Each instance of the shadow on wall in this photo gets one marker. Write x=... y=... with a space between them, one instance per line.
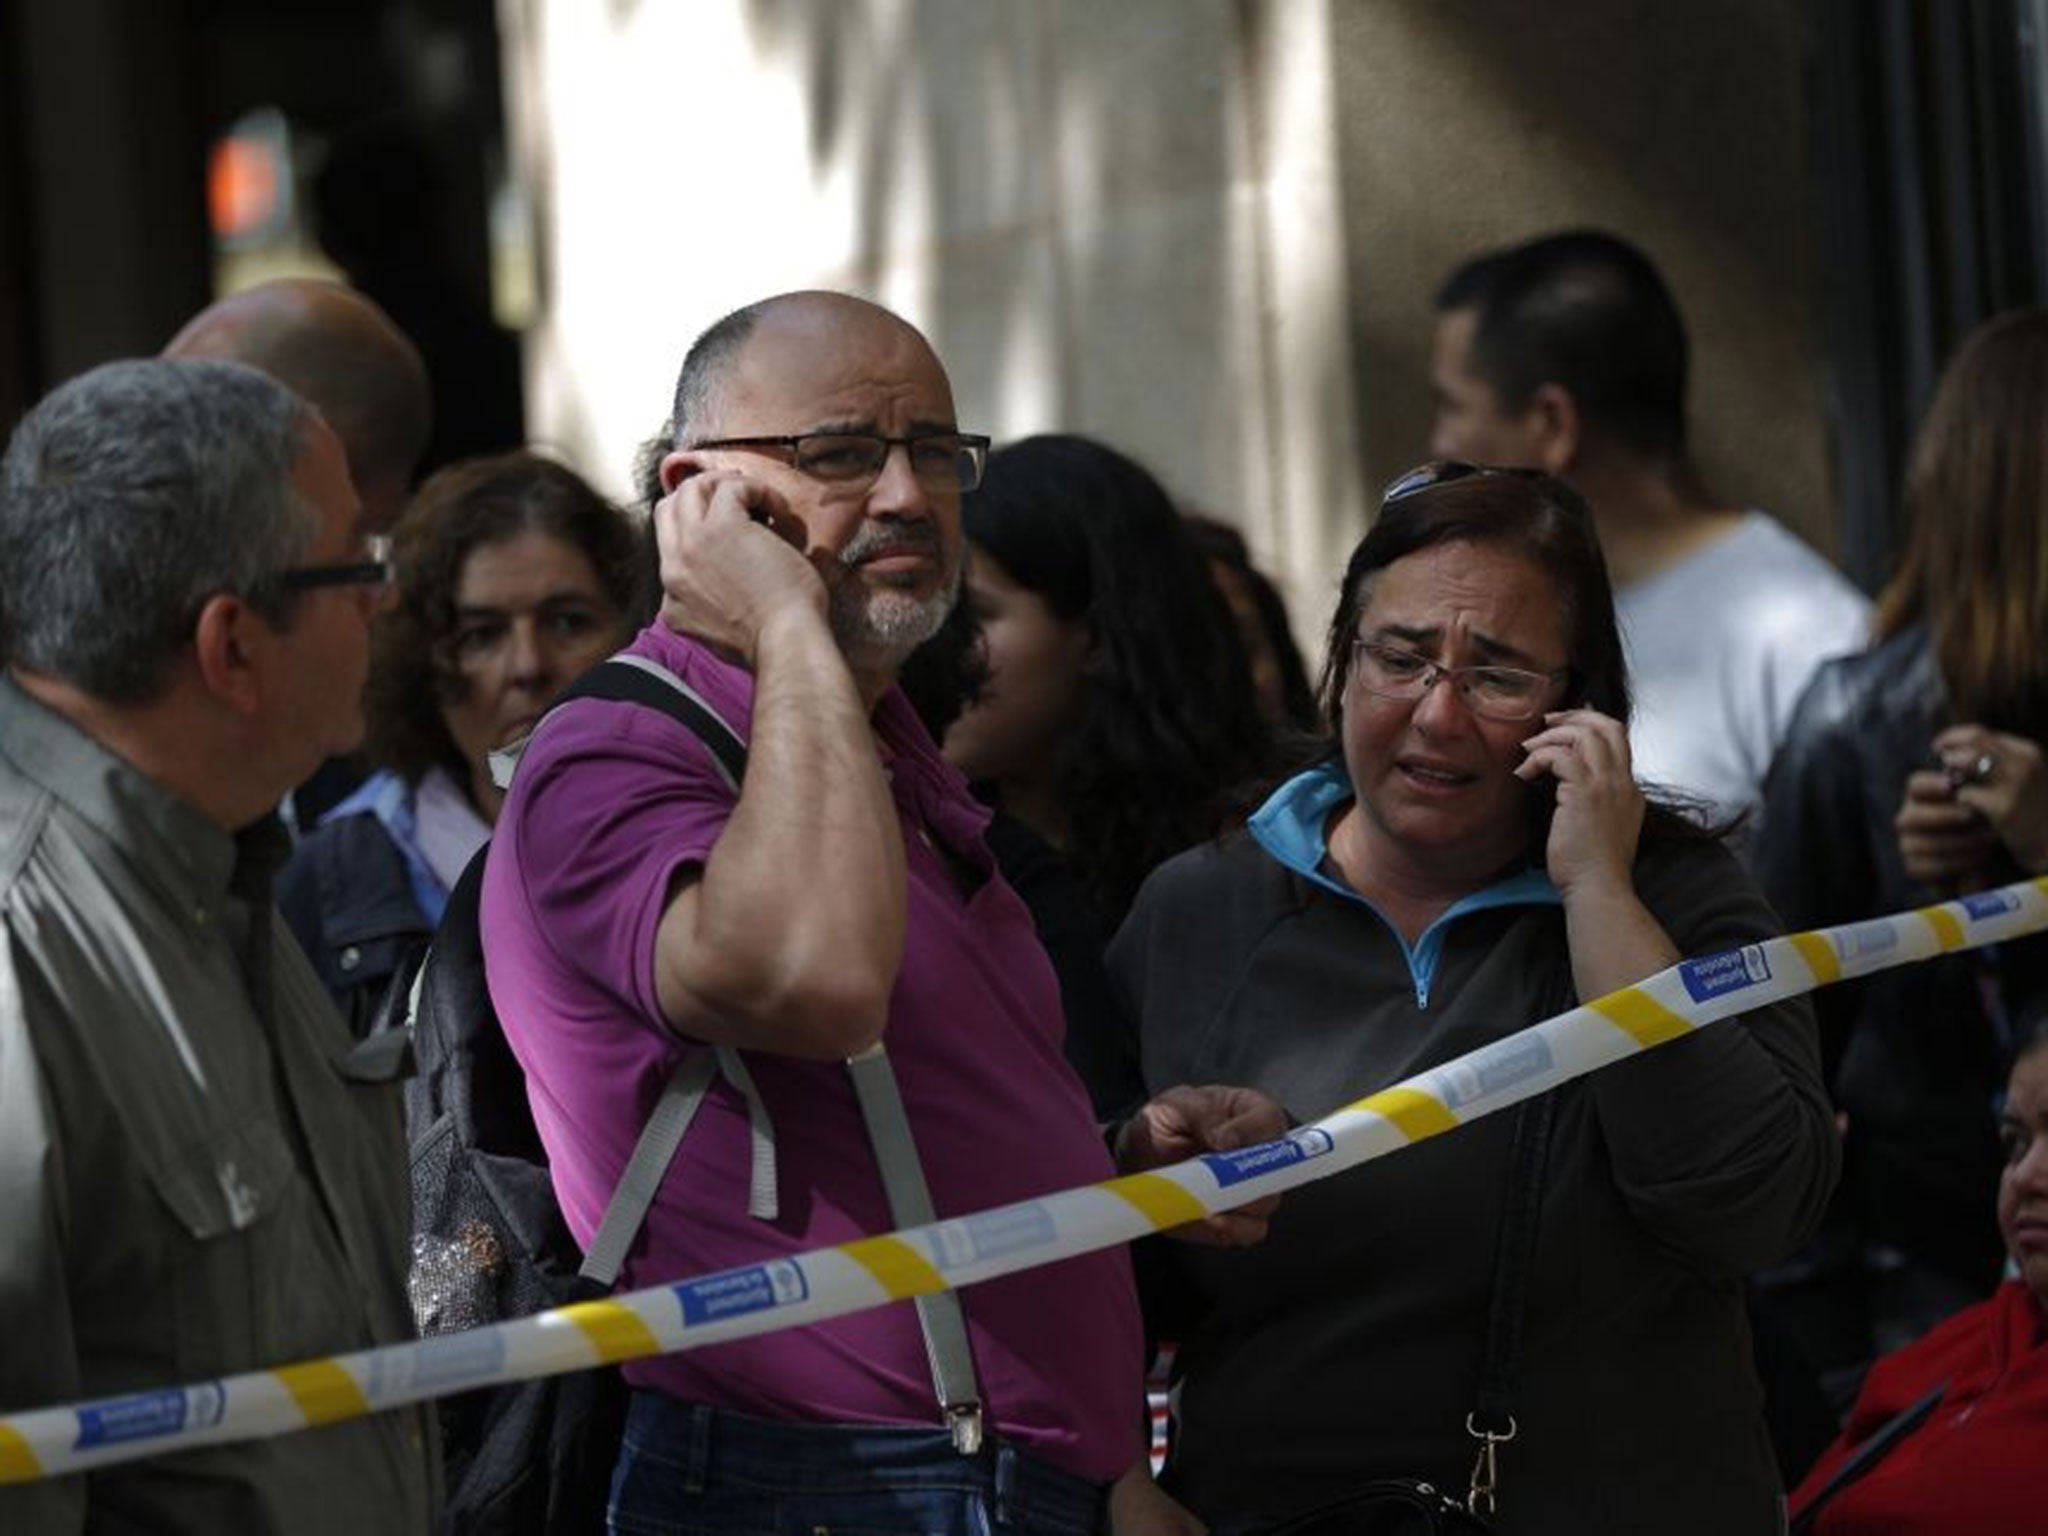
x=1080 y=230
x=1470 y=124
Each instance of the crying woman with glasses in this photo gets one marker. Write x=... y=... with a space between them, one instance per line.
x=1469 y=853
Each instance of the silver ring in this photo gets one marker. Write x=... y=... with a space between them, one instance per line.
x=1982 y=769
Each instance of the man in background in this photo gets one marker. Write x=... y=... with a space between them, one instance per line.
x=1568 y=354
x=341 y=354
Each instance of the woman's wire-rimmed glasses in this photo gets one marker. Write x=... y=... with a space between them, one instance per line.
x=1496 y=693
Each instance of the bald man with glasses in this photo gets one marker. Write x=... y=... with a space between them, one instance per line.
x=637 y=908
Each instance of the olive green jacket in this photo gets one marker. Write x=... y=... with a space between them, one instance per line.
x=188 y=1189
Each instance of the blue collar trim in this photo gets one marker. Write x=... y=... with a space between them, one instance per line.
x=389 y=798
x=1291 y=825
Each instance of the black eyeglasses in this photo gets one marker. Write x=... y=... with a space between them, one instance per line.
x=1445 y=471
x=853 y=461
x=372 y=572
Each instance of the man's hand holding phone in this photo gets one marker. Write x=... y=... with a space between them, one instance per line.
x=733 y=562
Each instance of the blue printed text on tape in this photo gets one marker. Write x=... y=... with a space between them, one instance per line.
x=450 y=1357
x=733 y=1291
x=1501 y=1065
x=141 y=1417
x=1859 y=939
x=1983 y=904
x=1730 y=972
x=1249 y=1162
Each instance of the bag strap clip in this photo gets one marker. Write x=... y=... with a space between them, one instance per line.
x=1485 y=1483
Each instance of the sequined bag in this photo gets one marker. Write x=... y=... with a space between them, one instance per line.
x=489 y=1240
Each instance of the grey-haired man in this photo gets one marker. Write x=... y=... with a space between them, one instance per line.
x=192 y=1183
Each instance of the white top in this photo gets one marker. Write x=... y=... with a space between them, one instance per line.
x=1720 y=646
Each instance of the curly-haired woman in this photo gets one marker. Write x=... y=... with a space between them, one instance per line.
x=513 y=576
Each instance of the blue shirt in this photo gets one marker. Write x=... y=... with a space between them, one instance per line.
x=389 y=798
x=1293 y=825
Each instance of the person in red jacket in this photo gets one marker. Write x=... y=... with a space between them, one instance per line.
x=1978 y=1461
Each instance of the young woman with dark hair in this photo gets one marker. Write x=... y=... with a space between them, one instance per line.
x=1117 y=709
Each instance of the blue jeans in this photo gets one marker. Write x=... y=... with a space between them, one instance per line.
x=688 y=1470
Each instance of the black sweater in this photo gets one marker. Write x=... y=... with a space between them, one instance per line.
x=1347 y=1346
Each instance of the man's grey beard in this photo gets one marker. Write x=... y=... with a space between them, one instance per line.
x=879 y=625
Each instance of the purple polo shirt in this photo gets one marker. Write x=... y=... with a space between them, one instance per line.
x=609 y=803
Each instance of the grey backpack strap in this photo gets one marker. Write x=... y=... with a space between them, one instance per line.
x=636 y=678
x=626 y=1212
x=630 y=679
x=627 y=1209
x=910 y=1204
x=633 y=679
x=761 y=1202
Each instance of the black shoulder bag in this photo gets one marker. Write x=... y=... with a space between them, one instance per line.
x=1411 y=1506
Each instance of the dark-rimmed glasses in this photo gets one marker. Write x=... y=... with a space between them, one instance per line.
x=1496 y=693
x=372 y=571
x=853 y=461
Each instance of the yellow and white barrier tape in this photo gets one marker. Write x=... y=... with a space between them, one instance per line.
x=830 y=1282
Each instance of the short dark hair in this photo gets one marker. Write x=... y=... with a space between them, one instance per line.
x=2031 y=1033
x=129 y=497
x=1590 y=312
x=460 y=509
x=647 y=459
x=704 y=369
